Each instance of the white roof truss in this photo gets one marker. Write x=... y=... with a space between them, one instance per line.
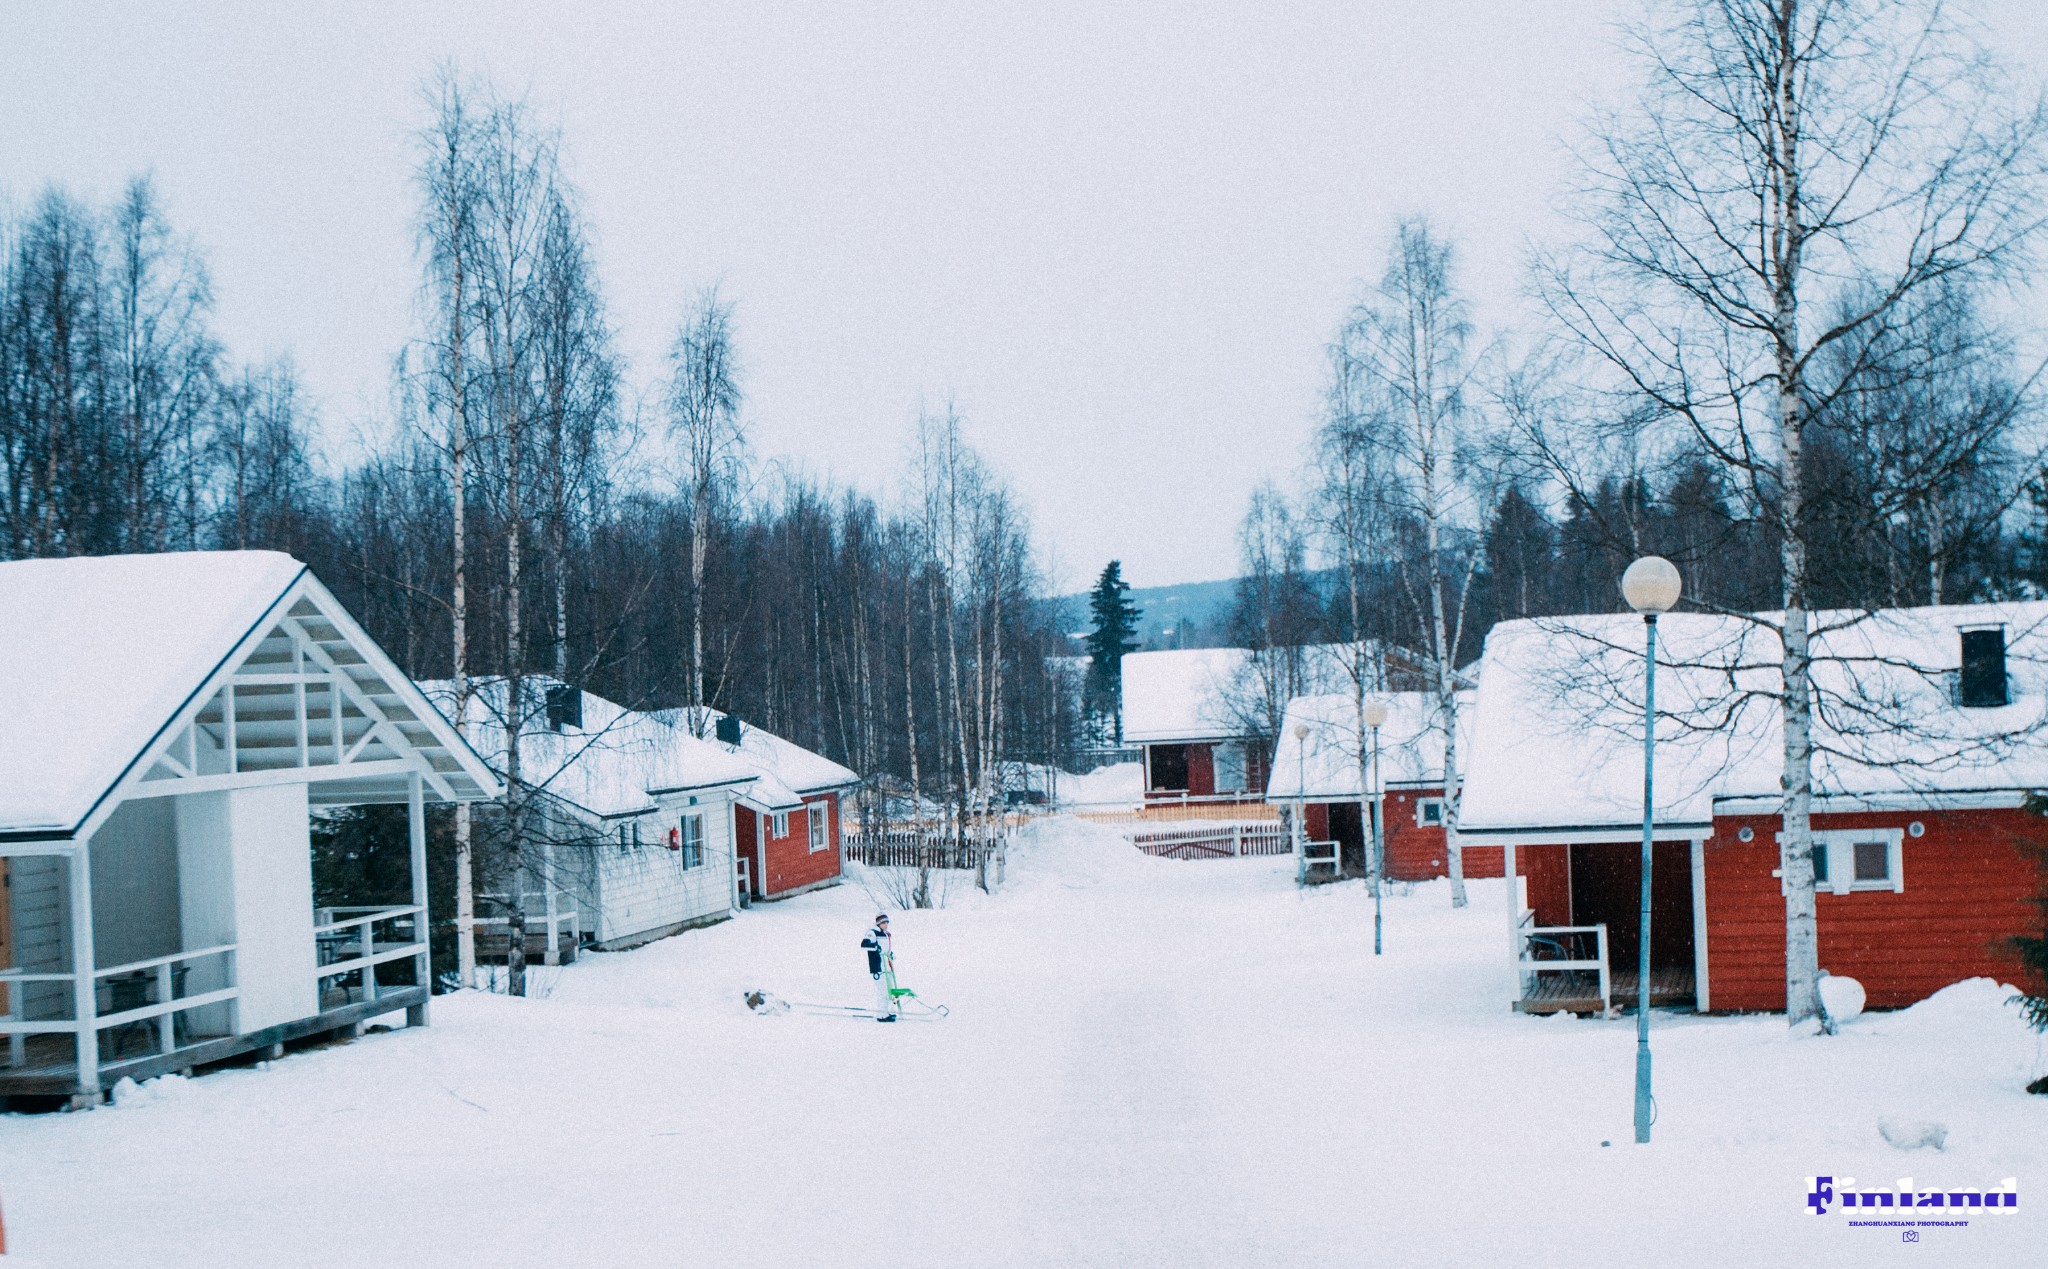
x=305 y=697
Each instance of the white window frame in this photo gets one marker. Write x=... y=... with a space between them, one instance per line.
x=1239 y=764
x=1840 y=845
x=820 y=825
x=778 y=825
x=692 y=846
x=1422 y=806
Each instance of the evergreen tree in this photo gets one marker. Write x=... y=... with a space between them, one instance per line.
x=1115 y=633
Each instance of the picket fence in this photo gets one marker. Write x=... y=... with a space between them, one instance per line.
x=901 y=849
x=1215 y=841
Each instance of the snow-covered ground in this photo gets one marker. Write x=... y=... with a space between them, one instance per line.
x=1148 y=1063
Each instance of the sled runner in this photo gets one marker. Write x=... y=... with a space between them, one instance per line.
x=909 y=1007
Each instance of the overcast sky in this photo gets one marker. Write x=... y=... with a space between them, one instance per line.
x=1118 y=234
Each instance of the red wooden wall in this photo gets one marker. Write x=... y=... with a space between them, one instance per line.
x=790 y=861
x=1970 y=886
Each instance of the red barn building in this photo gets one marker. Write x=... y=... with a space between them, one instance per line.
x=787 y=826
x=1322 y=771
x=1929 y=736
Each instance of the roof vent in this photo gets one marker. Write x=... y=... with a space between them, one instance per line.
x=1983 y=678
x=728 y=730
x=565 y=707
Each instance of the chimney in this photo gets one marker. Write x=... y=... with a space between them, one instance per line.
x=728 y=730
x=1983 y=677
x=565 y=707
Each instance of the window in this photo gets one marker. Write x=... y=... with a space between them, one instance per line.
x=629 y=835
x=778 y=825
x=1429 y=812
x=1230 y=767
x=821 y=825
x=692 y=840
x=1166 y=768
x=1857 y=859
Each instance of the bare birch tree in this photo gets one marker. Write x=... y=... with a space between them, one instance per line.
x=1404 y=349
x=704 y=424
x=448 y=181
x=1795 y=176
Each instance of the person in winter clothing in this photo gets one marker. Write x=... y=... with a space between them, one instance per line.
x=882 y=968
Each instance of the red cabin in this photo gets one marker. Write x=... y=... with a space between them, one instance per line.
x=1327 y=772
x=1927 y=861
x=787 y=824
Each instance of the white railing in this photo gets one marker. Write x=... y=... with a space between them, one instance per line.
x=564 y=928
x=160 y=975
x=357 y=933
x=1561 y=938
x=1324 y=855
x=1214 y=841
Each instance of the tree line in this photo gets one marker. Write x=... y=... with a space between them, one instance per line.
x=527 y=510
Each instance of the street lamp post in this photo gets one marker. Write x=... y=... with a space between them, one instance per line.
x=1375 y=715
x=1300 y=791
x=1651 y=586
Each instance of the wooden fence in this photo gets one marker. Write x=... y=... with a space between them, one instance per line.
x=1177 y=811
x=900 y=849
x=1219 y=841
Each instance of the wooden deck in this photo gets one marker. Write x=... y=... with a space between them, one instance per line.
x=1579 y=992
x=42 y=1076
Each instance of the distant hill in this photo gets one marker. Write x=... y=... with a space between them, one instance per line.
x=1201 y=605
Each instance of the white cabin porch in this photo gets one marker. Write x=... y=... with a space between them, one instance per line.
x=171 y=923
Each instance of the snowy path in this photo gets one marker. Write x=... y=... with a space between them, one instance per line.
x=1148 y=1063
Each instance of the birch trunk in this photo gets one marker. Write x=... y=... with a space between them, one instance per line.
x=1787 y=247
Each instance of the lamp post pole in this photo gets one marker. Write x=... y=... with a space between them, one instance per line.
x=1651 y=586
x=1300 y=811
x=1644 y=1102
x=1374 y=713
x=1379 y=850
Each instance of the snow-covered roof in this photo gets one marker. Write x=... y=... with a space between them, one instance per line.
x=1557 y=735
x=96 y=654
x=1186 y=693
x=99 y=655
x=1325 y=765
x=615 y=763
x=786 y=770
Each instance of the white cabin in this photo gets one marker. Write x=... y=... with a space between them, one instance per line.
x=625 y=822
x=172 y=723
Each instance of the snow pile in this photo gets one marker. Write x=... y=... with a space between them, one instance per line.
x=1120 y=784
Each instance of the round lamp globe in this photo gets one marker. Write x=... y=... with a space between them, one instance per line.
x=1651 y=585
x=1375 y=713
